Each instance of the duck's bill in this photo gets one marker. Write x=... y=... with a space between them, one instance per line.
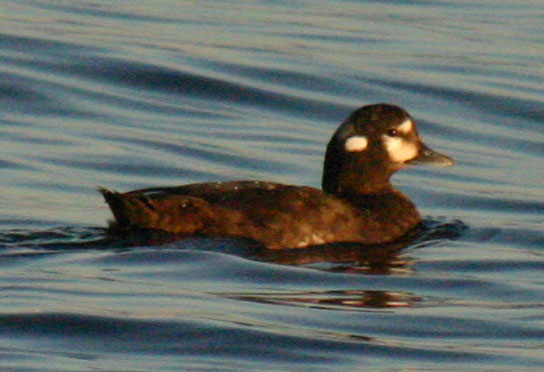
x=431 y=157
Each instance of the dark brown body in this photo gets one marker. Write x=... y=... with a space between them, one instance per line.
x=357 y=204
x=279 y=216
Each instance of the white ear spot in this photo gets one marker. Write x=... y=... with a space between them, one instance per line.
x=356 y=144
x=399 y=149
x=406 y=126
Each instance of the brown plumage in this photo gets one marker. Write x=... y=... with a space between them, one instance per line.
x=358 y=203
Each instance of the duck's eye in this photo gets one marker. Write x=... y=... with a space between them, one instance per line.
x=392 y=133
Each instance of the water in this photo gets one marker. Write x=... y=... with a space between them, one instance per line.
x=131 y=94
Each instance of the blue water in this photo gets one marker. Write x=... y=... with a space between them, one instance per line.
x=131 y=94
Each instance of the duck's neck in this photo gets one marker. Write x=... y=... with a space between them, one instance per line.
x=344 y=173
x=353 y=179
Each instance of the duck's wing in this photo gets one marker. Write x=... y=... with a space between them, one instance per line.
x=188 y=209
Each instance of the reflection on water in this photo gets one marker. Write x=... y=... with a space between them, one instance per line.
x=380 y=259
x=331 y=300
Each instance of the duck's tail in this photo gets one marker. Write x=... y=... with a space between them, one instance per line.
x=179 y=214
x=117 y=205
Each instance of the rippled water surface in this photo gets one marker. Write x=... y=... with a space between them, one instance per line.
x=129 y=94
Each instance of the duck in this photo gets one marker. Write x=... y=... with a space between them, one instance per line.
x=357 y=202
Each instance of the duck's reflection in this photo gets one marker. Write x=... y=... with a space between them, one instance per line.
x=332 y=299
x=383 y=259
x=345 y=257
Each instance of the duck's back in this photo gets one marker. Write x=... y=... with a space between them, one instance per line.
x=279 y=216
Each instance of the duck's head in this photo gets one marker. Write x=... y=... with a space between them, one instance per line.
x=374 y=142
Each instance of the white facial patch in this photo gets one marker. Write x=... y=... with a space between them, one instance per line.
x=399 y=149
x=406 y=126
x=356 y=144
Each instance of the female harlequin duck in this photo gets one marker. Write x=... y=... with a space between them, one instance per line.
x=357 y=203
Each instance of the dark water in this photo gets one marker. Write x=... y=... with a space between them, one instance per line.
x=129 y=94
